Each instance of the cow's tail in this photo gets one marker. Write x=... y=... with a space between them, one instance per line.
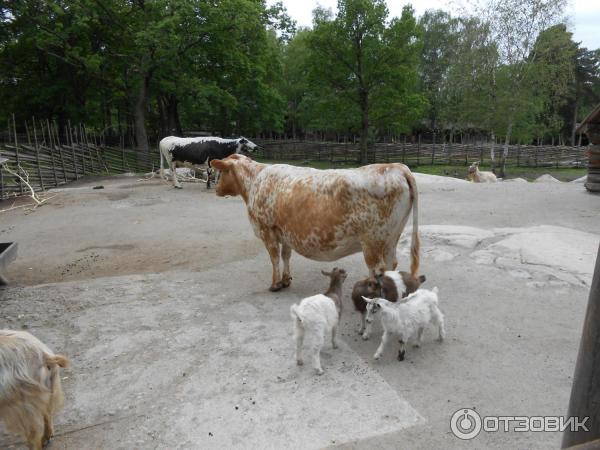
x=415 y=245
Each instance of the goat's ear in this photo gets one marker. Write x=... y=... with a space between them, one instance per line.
x=220 y=164
x=327 y=274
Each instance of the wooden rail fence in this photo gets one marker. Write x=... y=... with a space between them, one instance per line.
x=416 y=154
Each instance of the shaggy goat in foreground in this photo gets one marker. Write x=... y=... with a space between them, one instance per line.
x=390 y=285
x=30 y=388
x=407 y=319
x=319 y=316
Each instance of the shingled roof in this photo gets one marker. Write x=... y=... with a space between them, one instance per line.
x=593 y=117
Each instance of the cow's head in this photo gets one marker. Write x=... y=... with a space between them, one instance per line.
x=245 y=146
x=231 y=180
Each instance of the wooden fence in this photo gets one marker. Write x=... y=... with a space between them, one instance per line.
x=416 y=154
x=48 y=162
x=51 y=159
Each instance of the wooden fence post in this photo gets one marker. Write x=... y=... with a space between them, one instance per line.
x=60 y=151
x=16 y=150
x=51 y=148
x=122 y=143
x=585 y=393
x=37 y=154
x=73 y=152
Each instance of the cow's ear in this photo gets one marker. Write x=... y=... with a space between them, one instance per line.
x=220 y=164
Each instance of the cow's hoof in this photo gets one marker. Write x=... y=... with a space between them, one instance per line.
x=286 y=282
x=401 y=355
x=299 y=362
x=276 y=287
x=319 y=371
x=365 y=336
x=178 y=187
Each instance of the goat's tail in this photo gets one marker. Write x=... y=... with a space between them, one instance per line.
x=294 y=313
x=435 y=290
x=57 y=360
x=415 y=245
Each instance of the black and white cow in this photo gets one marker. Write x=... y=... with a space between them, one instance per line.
x=198 y=152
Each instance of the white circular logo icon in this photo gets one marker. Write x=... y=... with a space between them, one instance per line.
x=465 y=423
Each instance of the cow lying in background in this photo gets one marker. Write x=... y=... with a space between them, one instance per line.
x=325 y=214
x=477 y=176
x=198 y=152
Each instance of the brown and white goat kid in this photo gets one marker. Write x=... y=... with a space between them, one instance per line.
x=319 y=316
x=30 y=387
x=477 y=176
x=390 y=285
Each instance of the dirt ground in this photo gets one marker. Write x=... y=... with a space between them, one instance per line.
x=159 y=297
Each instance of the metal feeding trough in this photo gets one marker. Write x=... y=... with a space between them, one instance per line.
x=8 y=253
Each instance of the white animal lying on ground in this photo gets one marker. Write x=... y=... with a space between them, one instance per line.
x=477 y=176
x=30 y=388
x=407 y=319
x=318 y=316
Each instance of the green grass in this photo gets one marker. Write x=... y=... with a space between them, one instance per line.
x=529 y=173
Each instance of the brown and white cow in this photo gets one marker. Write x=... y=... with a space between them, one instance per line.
x=324 y=214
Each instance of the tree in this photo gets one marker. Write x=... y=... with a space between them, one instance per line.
x=585 y=88
x=516 y=25
x=440 y=41
x=364 y=61
x=157 y=66
x=552 y=72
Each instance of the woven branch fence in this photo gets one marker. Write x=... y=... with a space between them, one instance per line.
x=50 y=161
x=416 y=154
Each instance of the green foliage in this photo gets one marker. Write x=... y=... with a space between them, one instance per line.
x=358 y=71
x=156 y=67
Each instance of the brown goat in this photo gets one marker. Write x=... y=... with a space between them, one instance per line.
x=385 y=285
x=30 y=387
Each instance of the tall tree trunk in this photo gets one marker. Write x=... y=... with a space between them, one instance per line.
x=576 y=107
x=493 y=152
x=505 y=150
x=364 y=128
x=173 y=121
x=139 y=118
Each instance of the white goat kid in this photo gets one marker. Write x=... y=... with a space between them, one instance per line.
x=406 y=319
x=319 y=316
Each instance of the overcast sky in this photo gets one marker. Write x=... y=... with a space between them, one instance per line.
x=585 y=14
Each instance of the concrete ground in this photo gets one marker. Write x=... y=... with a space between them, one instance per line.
x=159 y=297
